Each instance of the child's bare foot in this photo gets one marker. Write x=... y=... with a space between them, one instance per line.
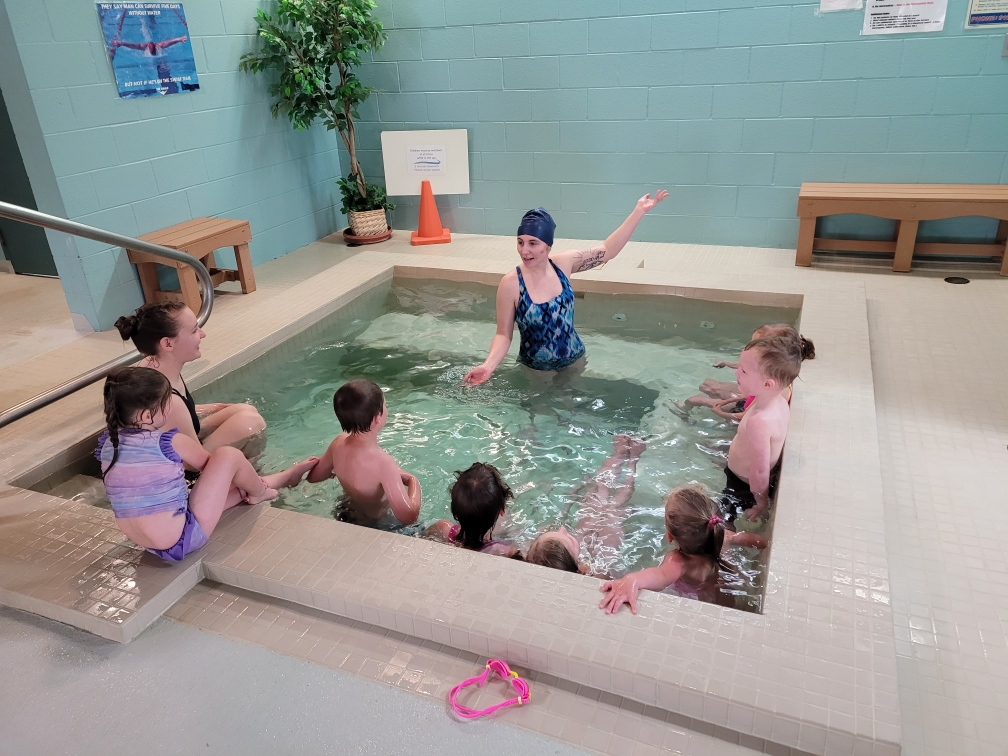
x=292 y=475
x=680 y=409
x=749 y=540
x=636 y=447
x=621 y=445
x=268 y=494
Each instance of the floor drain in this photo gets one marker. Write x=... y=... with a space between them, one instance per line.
x=956 y=280
x=619 y=316
x=706 y=324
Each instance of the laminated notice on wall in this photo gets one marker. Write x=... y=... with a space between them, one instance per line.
x=148 y=44
x=426 y=158
x=829 y=6
x=987 y=13
x=903 y=16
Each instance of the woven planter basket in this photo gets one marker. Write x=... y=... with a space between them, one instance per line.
x=368 y=222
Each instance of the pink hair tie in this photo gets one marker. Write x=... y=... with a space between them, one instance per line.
x=502 y=669
x=715 y=520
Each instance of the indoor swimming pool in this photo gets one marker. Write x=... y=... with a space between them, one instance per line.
x=417 y=339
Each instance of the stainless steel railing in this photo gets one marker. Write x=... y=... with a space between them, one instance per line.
x=73 y=228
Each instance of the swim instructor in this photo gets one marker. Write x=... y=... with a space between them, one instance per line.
x=537 y=294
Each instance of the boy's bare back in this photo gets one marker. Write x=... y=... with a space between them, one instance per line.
x=370 y=477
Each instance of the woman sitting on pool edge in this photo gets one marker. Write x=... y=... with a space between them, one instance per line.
x=537 y=294
x=167 y=334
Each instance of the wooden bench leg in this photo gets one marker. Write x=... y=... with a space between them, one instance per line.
x=806 y=237
x=243 y=259
x=1002 y=236
x=190 y=288
x=149 y=281
x=906 y=238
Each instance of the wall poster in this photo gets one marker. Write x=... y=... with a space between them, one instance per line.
x=904 y=16
x=987 y=13
x=148 y=44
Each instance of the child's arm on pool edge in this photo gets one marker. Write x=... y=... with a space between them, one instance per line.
x=625 y=590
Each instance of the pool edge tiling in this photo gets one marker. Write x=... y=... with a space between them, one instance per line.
x=815 y=672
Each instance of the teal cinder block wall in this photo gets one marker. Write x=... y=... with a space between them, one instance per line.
x=134 y=166
x=582 y=105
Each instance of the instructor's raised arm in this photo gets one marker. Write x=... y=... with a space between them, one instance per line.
x=580 y=260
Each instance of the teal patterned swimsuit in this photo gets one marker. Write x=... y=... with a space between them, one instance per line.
x=548 y=338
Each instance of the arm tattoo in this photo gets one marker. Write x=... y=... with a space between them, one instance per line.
x=588 y=259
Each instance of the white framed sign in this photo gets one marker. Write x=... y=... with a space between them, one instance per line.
x=438 y=156
x=983 y=14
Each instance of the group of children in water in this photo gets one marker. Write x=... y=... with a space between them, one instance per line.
x=145 y=462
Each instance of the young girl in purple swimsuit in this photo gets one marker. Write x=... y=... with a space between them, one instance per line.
x=479 y=498
x=142 y=468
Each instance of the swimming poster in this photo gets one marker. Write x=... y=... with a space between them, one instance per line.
x=148 y=45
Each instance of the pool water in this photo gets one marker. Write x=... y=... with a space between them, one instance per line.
x=417 y=339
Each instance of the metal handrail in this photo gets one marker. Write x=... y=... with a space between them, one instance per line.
x=35 y=218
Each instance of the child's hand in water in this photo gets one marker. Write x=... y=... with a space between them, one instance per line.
x=622 y=591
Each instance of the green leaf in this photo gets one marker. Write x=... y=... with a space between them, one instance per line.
x=312 y=47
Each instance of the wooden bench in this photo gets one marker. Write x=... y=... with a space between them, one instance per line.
x=908 y=205
x=199 y=238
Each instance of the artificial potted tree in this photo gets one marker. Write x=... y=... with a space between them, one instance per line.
x=313 y=47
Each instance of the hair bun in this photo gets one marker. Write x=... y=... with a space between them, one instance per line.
x=807 y=348
x=127 y=326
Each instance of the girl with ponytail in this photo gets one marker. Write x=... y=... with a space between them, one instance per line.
x=168 y=336
x=696 y=527
x=142 y=468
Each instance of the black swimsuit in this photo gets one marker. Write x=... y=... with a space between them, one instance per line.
x=190 y=475
x=190 y=404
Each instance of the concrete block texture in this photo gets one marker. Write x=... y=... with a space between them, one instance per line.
x=707 y=98
x=704 y=97
x=137 y=165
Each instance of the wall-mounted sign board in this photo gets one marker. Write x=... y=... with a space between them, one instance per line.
x=148 y=45
x=987 y=13
x=438 y=156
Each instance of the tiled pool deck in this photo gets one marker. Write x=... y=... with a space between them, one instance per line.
x=820 y=671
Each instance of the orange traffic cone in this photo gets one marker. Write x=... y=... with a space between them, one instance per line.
x=429 y=229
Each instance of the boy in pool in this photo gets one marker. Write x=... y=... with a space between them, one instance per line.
x=766 y=366
x=371 y=478
x=723 y=397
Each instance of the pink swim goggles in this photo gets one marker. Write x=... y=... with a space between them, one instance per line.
x=502 y=669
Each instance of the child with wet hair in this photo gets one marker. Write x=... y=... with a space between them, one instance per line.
x=723 y=398
x=370 y=476
x=766 y=367
x=594 y=545
x=143 y=470
x=695 y=526
x=479 y=498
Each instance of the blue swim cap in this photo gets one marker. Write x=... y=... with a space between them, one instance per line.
x=539 y=224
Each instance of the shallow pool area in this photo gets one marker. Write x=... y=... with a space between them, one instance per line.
x=791 y=676
x=418 y=338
